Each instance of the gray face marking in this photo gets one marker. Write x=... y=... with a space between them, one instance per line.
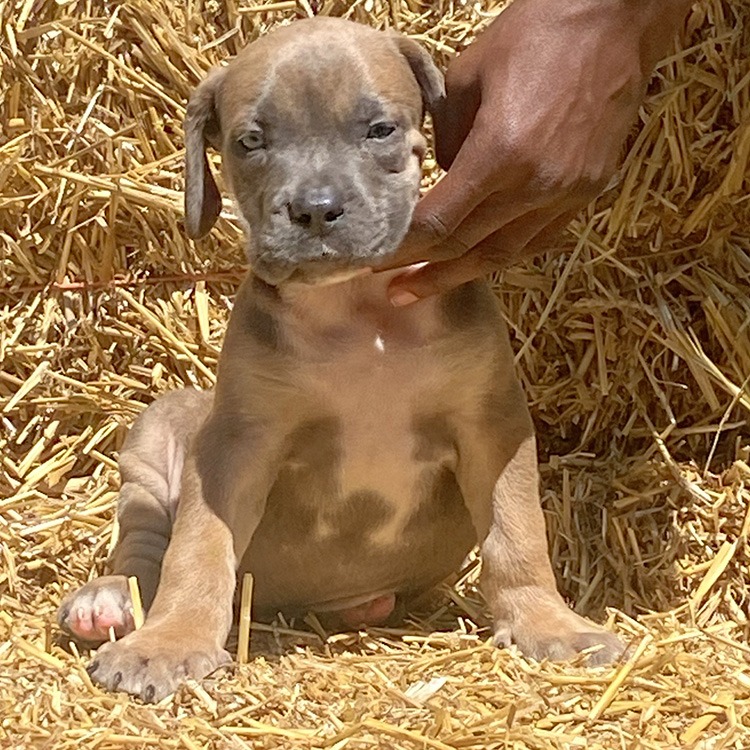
x=468 y=306
x=304 y=132
x=434 y=438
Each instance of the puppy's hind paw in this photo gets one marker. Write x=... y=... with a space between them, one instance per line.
x=559 y=634
x=90 y=612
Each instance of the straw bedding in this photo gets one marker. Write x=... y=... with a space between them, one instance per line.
x=633 y=345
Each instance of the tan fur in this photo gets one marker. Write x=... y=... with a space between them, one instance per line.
x=352 y=452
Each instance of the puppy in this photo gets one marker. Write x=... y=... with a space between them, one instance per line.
x=352 y=453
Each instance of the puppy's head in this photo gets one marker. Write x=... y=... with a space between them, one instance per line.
x=318 y=126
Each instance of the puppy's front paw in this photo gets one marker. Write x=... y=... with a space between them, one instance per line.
x=559 y=634
x=92 y=610
x=151 y=665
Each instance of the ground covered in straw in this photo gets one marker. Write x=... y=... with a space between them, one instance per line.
x=633 y=344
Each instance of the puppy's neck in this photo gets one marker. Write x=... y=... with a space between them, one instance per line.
x=351 y=310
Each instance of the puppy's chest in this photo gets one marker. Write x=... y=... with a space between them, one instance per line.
x=380 y=442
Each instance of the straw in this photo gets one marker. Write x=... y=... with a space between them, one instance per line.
x=243 y=641
x=135 y=598
x=633 y=347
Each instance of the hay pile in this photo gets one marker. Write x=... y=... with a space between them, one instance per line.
x=634 y=347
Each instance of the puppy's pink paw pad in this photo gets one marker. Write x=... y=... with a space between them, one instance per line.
x=101 y=604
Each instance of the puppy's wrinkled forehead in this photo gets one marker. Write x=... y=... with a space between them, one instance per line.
x=318 y=78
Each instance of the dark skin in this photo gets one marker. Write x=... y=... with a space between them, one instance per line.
x=531 y=130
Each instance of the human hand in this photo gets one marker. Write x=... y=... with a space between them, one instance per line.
x=531 y=130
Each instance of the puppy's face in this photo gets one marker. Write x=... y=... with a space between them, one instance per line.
x=318 y=125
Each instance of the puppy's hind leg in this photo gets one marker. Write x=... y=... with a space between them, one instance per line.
x=151 y=464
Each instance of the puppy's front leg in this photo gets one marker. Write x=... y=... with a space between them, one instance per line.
x=498 y=477
x=224 y=487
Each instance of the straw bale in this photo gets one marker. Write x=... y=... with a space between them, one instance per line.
x=633 y=344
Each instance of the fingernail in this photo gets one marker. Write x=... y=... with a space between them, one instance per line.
x=402 y=298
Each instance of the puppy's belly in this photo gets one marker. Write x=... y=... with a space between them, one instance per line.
x=321 y=548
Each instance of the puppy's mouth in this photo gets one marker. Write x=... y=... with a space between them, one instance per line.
x=312 y=274
x=337 y=277
x=321 y=266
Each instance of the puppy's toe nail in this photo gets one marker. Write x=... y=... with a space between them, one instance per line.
x=63 y=614
x=603 y=648
x=502 y=638
x=116 y=680
x=149 y=693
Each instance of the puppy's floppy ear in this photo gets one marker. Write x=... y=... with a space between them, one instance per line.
x=428 y=75
x=202 y=127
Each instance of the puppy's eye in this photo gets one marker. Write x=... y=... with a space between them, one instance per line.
x=381 y=130
x=252 y=141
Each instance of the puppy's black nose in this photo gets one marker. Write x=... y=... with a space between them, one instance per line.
x=317 y=208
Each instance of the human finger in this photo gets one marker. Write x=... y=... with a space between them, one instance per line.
x=434 y=278
x=495 y=252
x=488 y=217
x=464 y=186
